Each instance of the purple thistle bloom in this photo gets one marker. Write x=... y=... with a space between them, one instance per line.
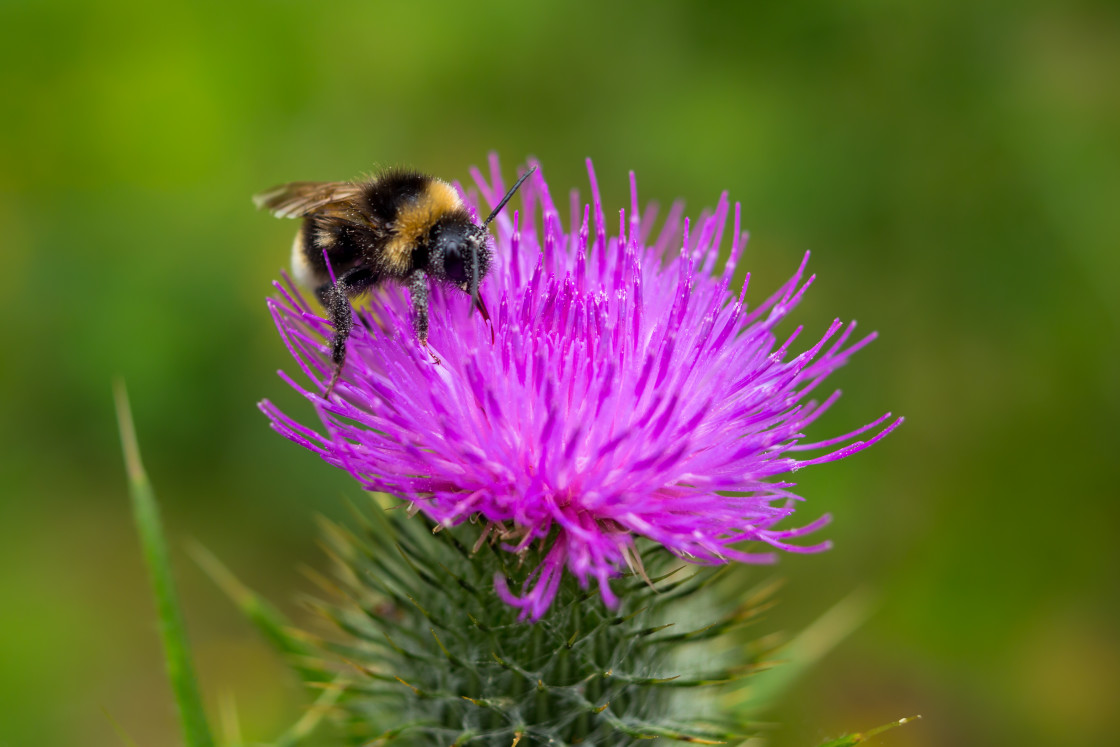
x=630 y=392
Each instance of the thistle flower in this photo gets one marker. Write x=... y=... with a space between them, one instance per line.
x=630 y=392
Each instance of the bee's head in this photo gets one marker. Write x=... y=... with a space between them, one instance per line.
x=458 y=250
x=458 y=254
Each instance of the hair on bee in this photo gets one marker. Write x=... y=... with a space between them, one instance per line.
x=400 y=226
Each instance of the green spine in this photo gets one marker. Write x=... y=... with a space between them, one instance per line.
x=431 y=656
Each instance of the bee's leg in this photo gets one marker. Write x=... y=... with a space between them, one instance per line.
x=336 y=298
x=418 y=289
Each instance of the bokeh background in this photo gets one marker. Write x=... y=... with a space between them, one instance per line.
x=953 y=165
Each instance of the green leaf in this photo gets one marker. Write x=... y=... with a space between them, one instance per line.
x=196 y=731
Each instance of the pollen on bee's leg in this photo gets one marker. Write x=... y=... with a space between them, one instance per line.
x=418 y=290
x=341 y=317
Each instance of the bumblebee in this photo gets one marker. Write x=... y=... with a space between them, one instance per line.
x=401 y=225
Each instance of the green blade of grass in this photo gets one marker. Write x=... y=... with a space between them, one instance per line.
x=314 y=716
x=196 y=731
x=765 y=689
x=269 y=621
x=126 y=740
x=850 y=740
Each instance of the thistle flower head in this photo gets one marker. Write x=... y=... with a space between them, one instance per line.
x=630 y=392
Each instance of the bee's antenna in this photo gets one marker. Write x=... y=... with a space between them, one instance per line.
x=474 y=247
x=509 y=194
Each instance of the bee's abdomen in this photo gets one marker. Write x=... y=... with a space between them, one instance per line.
x=345 y=244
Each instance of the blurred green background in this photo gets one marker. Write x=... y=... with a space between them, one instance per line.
x=951 y=165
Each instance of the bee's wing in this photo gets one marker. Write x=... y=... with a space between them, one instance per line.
x=296 y=199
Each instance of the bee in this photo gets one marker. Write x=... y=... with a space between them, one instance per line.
x=400 y=226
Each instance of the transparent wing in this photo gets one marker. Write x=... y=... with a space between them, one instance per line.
x=297 y=199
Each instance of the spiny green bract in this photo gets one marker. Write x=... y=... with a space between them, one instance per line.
x=431 y=656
